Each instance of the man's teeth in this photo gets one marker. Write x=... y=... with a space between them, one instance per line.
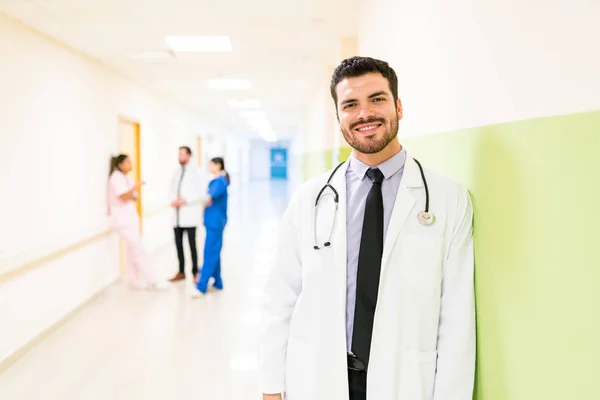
x=367 y=128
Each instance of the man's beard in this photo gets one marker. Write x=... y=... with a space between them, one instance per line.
x=371 y=145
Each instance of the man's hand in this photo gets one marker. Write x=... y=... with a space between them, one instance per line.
x=272 y=397
x=178 y=203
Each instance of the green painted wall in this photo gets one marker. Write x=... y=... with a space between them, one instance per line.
x=344 y=153
x=314 y=163
x=535 y=186
x=536 y=191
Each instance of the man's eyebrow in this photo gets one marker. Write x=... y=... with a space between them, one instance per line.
x=381 y=93
x=348 y=101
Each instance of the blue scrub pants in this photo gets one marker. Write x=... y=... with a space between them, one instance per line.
x=212 y=260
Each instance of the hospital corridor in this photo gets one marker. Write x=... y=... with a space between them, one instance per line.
x=309 y=200
x=132 y=345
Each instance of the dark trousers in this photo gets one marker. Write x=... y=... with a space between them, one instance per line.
x=357 y=383
x=191 y=234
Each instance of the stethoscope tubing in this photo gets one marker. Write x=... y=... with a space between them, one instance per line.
x=336 y=198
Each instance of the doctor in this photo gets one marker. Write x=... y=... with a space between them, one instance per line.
x=372 y=298
x=186 y=196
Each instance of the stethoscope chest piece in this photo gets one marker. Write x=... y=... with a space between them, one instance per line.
x=426 y=218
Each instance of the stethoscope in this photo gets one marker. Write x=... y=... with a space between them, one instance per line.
x=425 y=217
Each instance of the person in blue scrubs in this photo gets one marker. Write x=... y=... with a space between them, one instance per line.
x=215 y=219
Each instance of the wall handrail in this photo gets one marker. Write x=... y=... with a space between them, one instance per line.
x=61 y=252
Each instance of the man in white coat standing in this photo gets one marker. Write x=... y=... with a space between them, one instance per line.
x=187 y=189
x=371 y=292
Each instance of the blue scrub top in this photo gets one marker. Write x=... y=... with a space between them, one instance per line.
x=215 y=215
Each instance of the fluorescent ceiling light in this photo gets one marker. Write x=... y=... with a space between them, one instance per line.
x=199 y=43
x=229 y=84
x=251 y=103
x=259 y=123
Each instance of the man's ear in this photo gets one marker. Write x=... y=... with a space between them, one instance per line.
x=399 y=108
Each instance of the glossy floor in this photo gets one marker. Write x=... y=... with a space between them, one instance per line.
x=144 y=345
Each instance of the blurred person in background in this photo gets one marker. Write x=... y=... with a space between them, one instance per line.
x=122 y=195
x=215 y=220
x=186 y=192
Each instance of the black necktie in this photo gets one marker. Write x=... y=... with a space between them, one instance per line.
x=369 y=267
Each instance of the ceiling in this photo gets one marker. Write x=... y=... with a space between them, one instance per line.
x=282 y=46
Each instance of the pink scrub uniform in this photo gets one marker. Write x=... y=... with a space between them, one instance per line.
x=126 y=222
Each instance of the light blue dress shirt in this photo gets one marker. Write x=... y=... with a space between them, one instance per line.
x=357 y=189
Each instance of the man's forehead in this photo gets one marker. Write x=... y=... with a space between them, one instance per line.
x=362 y=85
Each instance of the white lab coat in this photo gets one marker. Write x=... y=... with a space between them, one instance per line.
x=423 y=345
x=193 y=189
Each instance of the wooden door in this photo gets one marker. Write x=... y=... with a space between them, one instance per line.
x=129 y=143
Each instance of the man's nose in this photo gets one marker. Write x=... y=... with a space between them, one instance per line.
x=365 y=112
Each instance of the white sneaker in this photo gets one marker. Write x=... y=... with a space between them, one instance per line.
x=194 y=293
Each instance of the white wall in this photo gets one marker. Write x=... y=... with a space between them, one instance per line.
x=235 y=150
x=470 y=63
x=316 y=129
x=260 y=160
x=237 y=161
x=58 y=127
x=295 y=160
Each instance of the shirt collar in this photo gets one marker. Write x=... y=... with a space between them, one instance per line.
x=388 y=167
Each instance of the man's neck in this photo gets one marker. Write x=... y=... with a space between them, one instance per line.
x=375 y=159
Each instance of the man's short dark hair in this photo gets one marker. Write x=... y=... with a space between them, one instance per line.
x=358 y=66
x=187 y=150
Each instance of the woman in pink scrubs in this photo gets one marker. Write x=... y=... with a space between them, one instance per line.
x=125 y=220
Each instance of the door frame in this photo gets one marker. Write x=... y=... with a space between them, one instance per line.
x=138 y=161
x=138 y=164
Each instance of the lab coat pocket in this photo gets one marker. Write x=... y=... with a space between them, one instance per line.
x=301 y=370
x=422 y=259
x=417 y=375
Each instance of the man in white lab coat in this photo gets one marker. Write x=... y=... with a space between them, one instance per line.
x=187 y=189
x=372 y=297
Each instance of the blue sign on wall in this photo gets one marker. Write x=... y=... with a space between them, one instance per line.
x=278 y=163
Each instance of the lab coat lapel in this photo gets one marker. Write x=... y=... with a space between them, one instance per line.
x=403 y=206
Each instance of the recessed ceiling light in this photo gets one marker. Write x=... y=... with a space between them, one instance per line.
x=251 y=103
x=199 y=43
x=259 y=123
x=229 y=84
